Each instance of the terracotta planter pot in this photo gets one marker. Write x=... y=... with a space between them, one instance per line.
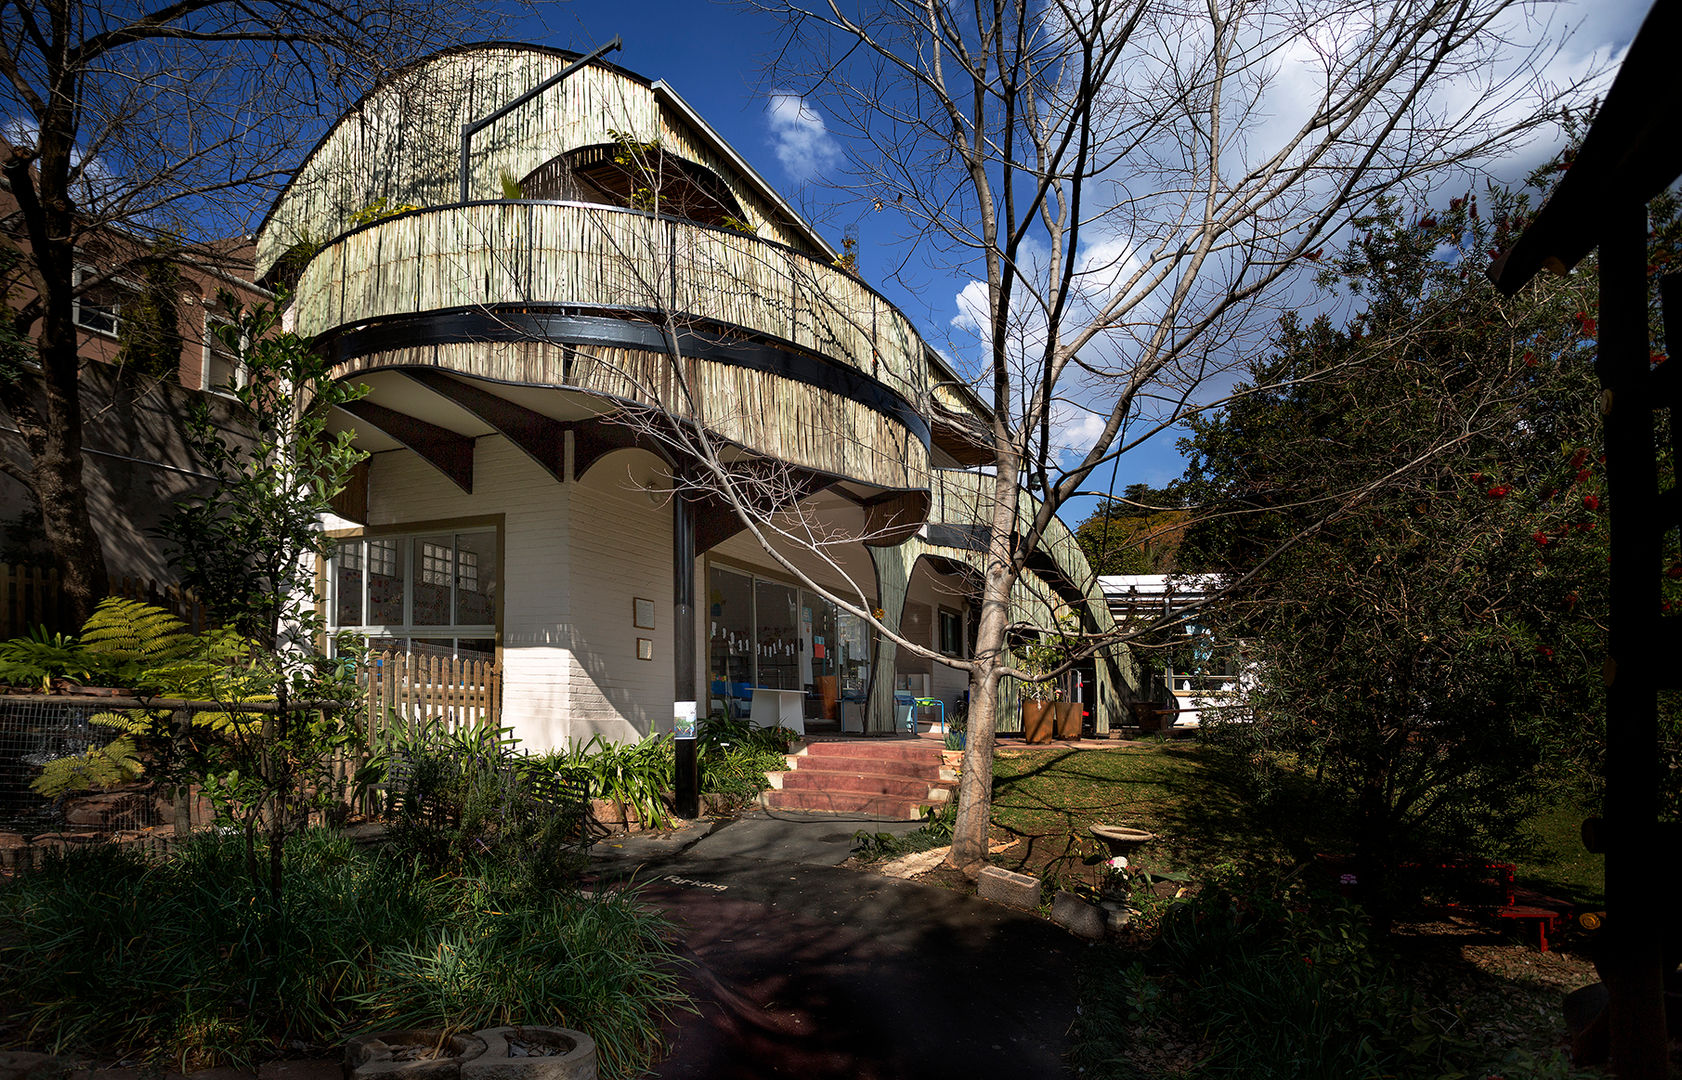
x=1039 y=720
x=1068 y=719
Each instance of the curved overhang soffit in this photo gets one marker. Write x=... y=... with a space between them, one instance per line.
x=772 y=488
x=450 y=452
x=573 y=329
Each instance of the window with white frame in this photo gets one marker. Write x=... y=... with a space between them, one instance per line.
x=223 y=372
x=429 y=593
x=99 y=306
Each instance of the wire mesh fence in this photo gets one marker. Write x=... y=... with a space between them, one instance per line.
x=144 y=814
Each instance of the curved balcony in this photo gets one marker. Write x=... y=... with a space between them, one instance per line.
x=786 y=356
x=960 y=517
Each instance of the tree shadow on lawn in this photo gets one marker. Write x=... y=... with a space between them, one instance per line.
x=1199 y=801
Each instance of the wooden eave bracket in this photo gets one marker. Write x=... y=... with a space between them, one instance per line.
x=539 y=437
x=443 y=449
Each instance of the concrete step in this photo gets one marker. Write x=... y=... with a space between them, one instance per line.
x=874 y=766
x=865 y=783
x=844 y=802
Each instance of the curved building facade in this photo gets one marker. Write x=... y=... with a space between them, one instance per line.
x=547 y=332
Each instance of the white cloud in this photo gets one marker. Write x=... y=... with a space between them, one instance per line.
x=974 y=309
x=802 y=141
x=1075 y=430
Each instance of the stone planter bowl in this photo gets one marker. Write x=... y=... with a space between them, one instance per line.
x=556 y=1054
x=1120 y=839
x=389 y=1055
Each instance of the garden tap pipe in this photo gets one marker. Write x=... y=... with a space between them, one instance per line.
x=472 y=128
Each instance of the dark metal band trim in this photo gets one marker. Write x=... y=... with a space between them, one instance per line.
x=571 y=326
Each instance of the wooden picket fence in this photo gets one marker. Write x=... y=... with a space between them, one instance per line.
x=429 y=695
x=29 y=597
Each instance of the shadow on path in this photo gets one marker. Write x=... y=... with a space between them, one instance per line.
x=804 y=970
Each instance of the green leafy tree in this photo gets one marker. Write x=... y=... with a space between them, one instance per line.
x=1430 y=646
x=150 y=333
x=1138 y=533
x=249 y=548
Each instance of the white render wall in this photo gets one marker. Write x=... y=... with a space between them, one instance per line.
x=574 y=556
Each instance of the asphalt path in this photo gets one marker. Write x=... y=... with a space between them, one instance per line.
x=800 y=968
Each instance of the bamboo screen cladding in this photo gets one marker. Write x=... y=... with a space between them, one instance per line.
x=522 y=254
x=402 y=142
x=959 y=497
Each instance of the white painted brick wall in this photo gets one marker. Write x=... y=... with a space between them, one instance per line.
x=621 y=548
x=575 y=555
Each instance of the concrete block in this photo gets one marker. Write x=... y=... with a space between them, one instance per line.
x=1007 y=887
x=1078 y=917
x=533 y=1053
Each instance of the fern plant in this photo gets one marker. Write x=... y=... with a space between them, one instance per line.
x=40 y=657
x=144 y=647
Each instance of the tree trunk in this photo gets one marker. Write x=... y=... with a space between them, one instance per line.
x=975 y=786
x=53 y=438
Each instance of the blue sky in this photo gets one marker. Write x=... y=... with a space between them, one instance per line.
x=714 y=54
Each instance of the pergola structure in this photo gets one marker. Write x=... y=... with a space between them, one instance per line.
x=1630 y=154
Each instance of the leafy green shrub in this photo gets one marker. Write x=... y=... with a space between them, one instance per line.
x=734 y=756
x=597 y=964
x=637 y=774
x=460 y=808
x=176 y=962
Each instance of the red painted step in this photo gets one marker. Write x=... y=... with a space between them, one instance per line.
x=881 y=749
x=883 y=778
x=802 y=779
x=920 y=770
x=843 y=802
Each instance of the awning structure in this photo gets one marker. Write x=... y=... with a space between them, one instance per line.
x=1630 y=154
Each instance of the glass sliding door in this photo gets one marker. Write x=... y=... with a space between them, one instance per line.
x=730 y=642
x=819 y=657
x=778 y=635
x=852 y=663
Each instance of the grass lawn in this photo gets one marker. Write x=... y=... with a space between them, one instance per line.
x=1205 y=815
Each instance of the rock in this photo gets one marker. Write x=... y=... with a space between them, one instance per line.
x=10 y=841
x=1007 y=887
x=1116 y=915
x=22 y=1065
x=918 y=862
x=1078 y=917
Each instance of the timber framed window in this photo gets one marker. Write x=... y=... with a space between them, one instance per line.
x=951 y=629
x=433 y=593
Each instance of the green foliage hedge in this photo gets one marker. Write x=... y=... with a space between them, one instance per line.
x=181 y=964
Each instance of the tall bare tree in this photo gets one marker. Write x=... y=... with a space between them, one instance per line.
x=137 y=133
x=1127 y=186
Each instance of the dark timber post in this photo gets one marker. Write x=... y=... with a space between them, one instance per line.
x=1632 y=961
x=688 y=773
